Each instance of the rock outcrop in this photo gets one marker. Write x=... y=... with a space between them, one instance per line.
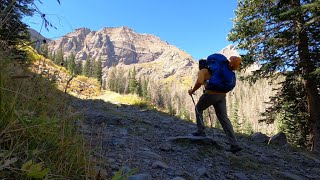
x=118 y=46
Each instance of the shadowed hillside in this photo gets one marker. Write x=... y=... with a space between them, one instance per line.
x=148 y=144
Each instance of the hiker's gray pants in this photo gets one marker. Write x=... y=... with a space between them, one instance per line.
x=219 y=103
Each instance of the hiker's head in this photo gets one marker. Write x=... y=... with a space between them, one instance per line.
x=234 y=62
x=202 y=64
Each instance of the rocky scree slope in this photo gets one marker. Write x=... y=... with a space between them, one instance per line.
x=159 y=147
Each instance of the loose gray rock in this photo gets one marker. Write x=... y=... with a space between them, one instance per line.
x=185 y=174
x=178 y=178
x=263 y=159
x=145 y=149
x=123 y=131
x=111 y=160
x=151 y=155
x=288 y=175
x=259 y=137
x=118 y=142
x=316 y=170
x=142 y=130
x=278 y=139
x=140 y=177
x=195 y=140
x=166 y=147
x=241 y=176
x=160 y=153
x=202 y=172
x=159 y=164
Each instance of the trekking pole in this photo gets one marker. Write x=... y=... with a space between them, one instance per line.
x=197 y=112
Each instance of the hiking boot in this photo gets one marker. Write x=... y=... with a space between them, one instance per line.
x=199 y=133
x=234 y=149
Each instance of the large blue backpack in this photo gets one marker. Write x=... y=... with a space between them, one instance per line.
x=223 y=79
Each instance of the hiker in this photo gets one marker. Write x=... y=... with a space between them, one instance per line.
x=215 y=98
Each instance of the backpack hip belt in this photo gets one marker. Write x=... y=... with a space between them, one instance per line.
x=213 y=92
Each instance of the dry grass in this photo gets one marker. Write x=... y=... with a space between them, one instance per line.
x=128 y=99
x=37 y=128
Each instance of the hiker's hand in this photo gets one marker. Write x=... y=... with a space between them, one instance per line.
x=190 y=92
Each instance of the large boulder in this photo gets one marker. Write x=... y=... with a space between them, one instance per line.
x=259 y=137
x=278 y=139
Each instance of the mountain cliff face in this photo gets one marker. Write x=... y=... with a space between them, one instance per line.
x=122 y=47
x=118 y=46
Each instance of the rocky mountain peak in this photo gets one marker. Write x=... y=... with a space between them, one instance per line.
x=230 y=50
x=80 y=31
x=119 y=46
x=117 y=30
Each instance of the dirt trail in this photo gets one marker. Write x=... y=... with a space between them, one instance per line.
x=130 y=137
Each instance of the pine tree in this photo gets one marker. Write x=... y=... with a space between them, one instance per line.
x=235 y=119
x=139 y=87
x=144 y=89
x=292 y=100
x=71 y=63
x=53 y=57
x=121 y=80
x=112 y=79
x=87 y=67
x=133 y=83
x=50 y=54
x=12 y=30
x=126 y=88
x=97 y=71
x=78 y=68
x=44 y=50
x=283 y=36
x=59 y=60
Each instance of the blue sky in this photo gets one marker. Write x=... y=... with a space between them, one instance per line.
x=198 y=27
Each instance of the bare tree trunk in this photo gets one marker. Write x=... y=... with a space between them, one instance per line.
x=310 y=84
x=314 y=112
x=68 y=83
